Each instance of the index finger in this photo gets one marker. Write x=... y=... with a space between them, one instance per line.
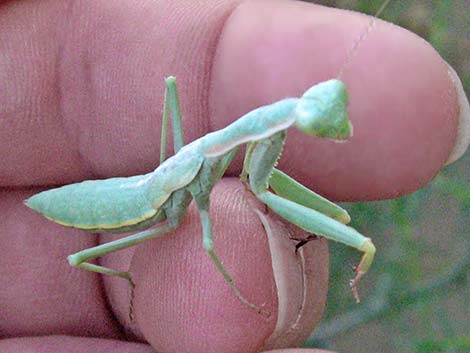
x=90 y=106
x=405 y=102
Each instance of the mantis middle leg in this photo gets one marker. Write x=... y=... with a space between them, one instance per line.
x=202 y=202
x=262 y=161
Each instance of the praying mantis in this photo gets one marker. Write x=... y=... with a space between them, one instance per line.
x=156 y=203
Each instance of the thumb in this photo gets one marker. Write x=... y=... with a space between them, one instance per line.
x=183 y=304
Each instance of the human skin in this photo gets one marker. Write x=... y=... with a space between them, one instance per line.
x=81 y=94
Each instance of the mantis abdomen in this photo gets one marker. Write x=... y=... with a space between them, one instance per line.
x=110 y=204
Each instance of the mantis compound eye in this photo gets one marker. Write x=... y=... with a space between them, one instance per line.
x=322 y=111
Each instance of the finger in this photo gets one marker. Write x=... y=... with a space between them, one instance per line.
x=65 y=300
x=85 y=84
x=44 y=294
x=403 y=103
x=59 y=344
x=179 y=290
x=94 y=114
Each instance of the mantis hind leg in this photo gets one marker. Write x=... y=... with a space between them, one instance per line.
x=81 y=258
x=171 y=102
x=299 y=211
x=203 y=207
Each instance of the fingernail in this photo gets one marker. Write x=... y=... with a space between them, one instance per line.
x=300 y=283
x=463 y=133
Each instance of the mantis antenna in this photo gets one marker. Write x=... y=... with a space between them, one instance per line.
x=353 y=51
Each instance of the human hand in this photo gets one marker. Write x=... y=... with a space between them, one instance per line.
x=81 y=99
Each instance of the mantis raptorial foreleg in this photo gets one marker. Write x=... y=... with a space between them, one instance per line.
x=291 y=189
x=262 y=160
x=246 y=161
x=288 y=188
x=315 y=222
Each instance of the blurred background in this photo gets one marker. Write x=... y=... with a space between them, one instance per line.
x=417 y=296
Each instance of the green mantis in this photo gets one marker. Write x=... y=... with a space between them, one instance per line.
x=156 y=203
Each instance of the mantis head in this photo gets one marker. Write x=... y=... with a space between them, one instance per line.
x=322 y=112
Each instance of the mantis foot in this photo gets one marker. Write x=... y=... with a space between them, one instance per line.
x=131 y=301
x=353 y=284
